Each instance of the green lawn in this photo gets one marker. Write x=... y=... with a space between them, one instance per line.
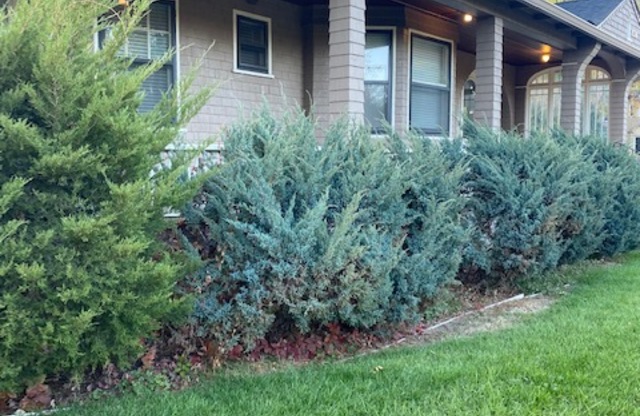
x=581 y=357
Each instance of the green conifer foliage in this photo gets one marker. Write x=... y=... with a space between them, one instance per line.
x=82 y=277
x=530 y=203
x=357 y=231
x=615 y=190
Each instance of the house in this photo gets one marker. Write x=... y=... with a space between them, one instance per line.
x=522 y=65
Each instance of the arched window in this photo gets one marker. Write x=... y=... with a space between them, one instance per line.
x=545 y=92
x=545 y=100
x=595 y=118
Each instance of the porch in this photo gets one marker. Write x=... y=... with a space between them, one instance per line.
x=420 y=64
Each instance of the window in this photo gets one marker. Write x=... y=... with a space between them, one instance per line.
x=545 y=92
x=545 y=100
x=252 y=40
x=595 y=119
x=377 y=78
x=152 y=39
x=430 y=94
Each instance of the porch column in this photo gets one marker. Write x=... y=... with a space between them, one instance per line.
x=573 y=66
x=489 y=57
x=619 y=103
x=346 y=58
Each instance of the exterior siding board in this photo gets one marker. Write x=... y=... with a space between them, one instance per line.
x=623 y=22
x=203 y=22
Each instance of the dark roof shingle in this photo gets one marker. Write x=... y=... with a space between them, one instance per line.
x=593 y=11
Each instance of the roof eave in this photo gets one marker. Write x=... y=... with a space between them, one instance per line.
x=581 y=25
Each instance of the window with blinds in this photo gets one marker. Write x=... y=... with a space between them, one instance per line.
x=430 y=94
x=377 y=79
x=252 y=43
x=152 y=39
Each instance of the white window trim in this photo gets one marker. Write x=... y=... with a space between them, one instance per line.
x=265 y=19
x=394 y=78
x=452 y=78
x=177 y=74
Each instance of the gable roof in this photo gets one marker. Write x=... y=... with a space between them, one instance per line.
x=569 y=19
x=593 y=11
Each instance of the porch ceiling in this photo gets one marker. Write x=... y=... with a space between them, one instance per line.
x=524 y=43
x=527 y=36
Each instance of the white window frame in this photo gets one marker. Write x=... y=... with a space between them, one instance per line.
x=452 y=80
x=177 y=71
x=267 y=21
x=392 y=77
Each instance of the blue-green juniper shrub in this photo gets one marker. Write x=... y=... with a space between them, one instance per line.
x=355 y=231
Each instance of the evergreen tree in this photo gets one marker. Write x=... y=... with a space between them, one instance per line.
x=82 y=276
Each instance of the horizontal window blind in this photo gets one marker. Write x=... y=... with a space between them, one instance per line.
x=430 y=95
x=253 y=44
x=430 y=62
x=159 y=31
x=160 y=17
x=155 y=87
x=152 y=39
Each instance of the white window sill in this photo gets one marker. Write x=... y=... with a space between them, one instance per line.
x=251 y=73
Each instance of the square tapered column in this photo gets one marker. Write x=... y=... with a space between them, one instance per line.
x=346 y=58
x=574 y=65
x=489 y=63
x=619 y=103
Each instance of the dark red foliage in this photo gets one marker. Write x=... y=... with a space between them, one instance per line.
x=332 y=341
x=36 y=398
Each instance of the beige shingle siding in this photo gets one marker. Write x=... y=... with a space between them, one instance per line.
x=202 y=22
x=623 y=22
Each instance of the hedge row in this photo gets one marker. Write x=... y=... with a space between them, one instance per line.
x=357 y=231
x=362 y=231
x=550 y=199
